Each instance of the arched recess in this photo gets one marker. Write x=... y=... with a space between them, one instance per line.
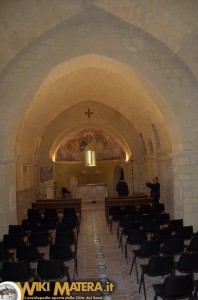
x=162 y=85
x=73 y=165
x=126 y=84
x=49 y=84
x=64 y=136
x=121 y=76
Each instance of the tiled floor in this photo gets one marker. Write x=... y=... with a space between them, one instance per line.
x=99 y=256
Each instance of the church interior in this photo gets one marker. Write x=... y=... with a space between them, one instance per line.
x=116 y=77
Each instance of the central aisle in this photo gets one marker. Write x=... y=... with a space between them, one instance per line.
x=99 y=256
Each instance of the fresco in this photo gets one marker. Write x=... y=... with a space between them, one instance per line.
x=46 y=174
x=107 y=148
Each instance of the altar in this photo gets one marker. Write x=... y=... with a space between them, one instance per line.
x=92 y=192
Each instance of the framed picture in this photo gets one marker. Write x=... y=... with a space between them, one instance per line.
x=46 y=174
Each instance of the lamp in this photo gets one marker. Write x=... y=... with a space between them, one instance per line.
x=90 y=155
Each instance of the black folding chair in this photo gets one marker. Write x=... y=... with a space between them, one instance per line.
x=193 y=246
x=187 y=263
x=184 y=232
x=17 y=271
x=146 y=250
x=157 y=266
x=172 y=247
x=52 y=270
x=175 y=287
x=135 y=237
x=63 y=252
x=29 y=253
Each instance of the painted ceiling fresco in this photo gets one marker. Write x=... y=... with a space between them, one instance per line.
x=107 y=148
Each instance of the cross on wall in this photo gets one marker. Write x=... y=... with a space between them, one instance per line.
x=88 y=113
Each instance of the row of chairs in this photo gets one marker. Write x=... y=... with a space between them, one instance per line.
x=171 y=247
x=148 y=224
x=154 y=209
x=161 y=254
x=22 y=244
x=158 y=227
x=159 y=239
x=151 y=224
x=165 y=265
x=47 y=270
x=31 y=254
x=138 y=213
x=153 y=230
x=49 y=213
x=162 y=262
x=50 y=218
x=160 y=218
x=39 y=236
x=169 y=244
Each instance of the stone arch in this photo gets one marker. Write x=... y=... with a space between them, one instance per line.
x=141 y=61
x=141 y=65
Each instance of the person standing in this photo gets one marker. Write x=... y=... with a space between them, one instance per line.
x=122 y=188
x=155 y=189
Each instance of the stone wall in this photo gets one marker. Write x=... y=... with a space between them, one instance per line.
x=24 y=200
x=185 y=170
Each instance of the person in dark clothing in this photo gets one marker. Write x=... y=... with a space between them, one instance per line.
x=122 y=187
x=155 y=189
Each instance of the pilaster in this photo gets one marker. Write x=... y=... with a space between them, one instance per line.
x=8 y=210
x=185 y=174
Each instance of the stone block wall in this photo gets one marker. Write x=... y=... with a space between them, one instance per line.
x=185 y=171
x=24 y=200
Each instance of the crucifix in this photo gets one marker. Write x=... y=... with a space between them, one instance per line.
x=88 y=113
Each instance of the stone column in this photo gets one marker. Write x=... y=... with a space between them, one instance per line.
x=185 y=174
x=8 y=210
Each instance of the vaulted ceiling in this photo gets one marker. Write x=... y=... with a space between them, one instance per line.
x=130 y=62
